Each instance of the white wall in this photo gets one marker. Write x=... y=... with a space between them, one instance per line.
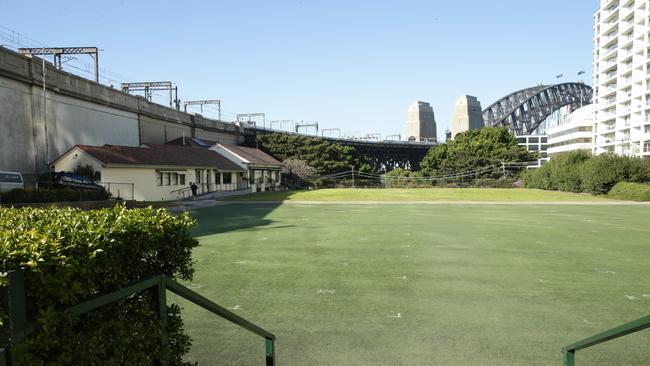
x=76 y=157
x=76 y=122
x=17 y=148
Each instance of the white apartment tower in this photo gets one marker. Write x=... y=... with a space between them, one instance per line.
x=622 y=78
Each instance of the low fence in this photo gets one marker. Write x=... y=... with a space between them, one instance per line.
x=13 y=335
x=206 y=188
x=488 y=177
x=620 y=331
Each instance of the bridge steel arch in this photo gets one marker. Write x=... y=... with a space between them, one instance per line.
x=524 y=111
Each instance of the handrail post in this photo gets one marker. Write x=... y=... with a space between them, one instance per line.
x=17 y=316
x=270 y=351
x=160 y=299
x=569 y=357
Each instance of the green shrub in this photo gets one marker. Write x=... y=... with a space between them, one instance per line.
x=578 y=171
x=539 y=178
x=29 y=195
x=562 y=173
x=70 y=255
x=502 y=182
x=565 y=171
x=402 y=178
x=630 y=191
x=600 y=173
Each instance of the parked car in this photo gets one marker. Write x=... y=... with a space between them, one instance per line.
x=69 y=180
x=10 y=181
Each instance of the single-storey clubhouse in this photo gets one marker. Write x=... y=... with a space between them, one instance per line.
x=160 y=172
x=263 y=170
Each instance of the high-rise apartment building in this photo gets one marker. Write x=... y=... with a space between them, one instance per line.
x=421 y=123
x=622 y=78
x=467 y=115
x=574 y=131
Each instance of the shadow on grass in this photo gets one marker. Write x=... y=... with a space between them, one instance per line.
x=263 y=196
x=231 y=217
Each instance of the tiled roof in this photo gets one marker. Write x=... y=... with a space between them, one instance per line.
x=161 y=155
x=253 y=155
x=192 y=141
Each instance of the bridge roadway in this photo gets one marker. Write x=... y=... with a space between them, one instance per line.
x=382 y=155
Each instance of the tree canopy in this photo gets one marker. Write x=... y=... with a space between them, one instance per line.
x=475 y=149
x=324 y=156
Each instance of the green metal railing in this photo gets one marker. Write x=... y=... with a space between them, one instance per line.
x=19 y=328
x=622 y=330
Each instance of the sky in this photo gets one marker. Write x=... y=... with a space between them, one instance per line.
x=353 y=65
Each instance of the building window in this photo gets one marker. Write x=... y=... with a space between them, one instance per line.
x=159 y=179
x=181 y=179
x=251 y=177
x=198 y=176
x=647 y=129
x=646 y=146
x=167 y=178
x=227 y=178
x=217 y=177
x=175 y=179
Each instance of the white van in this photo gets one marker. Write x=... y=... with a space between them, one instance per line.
x=10 y=181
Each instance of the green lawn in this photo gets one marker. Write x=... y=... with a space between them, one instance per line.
x=422 y=194
x=421 y=284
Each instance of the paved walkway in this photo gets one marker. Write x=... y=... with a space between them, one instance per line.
x=194 y=205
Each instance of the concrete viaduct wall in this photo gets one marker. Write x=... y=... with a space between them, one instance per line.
x=80 y=111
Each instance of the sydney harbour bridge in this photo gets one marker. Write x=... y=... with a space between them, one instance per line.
x=522 y=112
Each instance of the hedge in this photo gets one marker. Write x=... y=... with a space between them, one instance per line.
x=630 y=192
x=601 y=173
x=561 y=173
x=578 y=171
x=29 y=195
x=69 y=255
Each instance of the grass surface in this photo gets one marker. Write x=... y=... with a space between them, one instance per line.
x=421 y=285
x=422 y=194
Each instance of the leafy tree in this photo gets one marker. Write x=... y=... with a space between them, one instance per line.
x=475 y=149
x=324 y=156
x=297 y=172
x=299 y=168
